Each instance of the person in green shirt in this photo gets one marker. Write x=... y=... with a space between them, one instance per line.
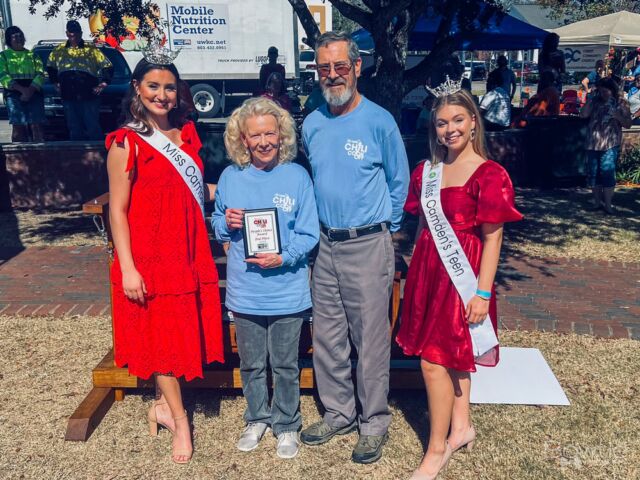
x=22 y=76
x=80 y=71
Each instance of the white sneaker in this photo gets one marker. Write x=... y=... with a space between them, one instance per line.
x=251 y=436
x=288 y=444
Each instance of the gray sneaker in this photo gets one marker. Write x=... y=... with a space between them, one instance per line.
x=369 y=448
x=321 y=432
x=288 y=444
x=251 y=436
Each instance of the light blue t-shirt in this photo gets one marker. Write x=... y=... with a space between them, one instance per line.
x=360 y=166
x=274 y=291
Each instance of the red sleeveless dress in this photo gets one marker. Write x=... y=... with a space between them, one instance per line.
x=433 y=323
x=179 y=327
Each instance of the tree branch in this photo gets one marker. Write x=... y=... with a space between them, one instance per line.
x=307 y=21
x=390 y=9
x=355 y=13
x=372 y=4
x=417 y=75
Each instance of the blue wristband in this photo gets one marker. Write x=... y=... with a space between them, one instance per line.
x=483 y=294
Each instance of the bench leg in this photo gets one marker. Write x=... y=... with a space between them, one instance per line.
x=89 y=414
x=118 y=394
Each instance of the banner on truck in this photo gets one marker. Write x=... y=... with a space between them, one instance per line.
x=131 y=41
x=583 y=58
x=196 y=26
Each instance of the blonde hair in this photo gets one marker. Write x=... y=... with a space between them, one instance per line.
x=236 y=128
x=463 y=99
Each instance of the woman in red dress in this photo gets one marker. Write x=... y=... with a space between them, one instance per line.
x=477 y=198
x=166 y=303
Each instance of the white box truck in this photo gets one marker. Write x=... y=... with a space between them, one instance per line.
x=222 y=43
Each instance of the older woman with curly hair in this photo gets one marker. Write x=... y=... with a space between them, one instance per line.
x=268 y=293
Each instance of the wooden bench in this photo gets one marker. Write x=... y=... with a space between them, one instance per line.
x=110 y=382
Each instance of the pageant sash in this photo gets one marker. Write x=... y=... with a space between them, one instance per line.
x=181 y=161
x=453 y=257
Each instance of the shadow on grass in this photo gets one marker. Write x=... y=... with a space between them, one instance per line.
x=413 y=406
x=562 y=217
x=10 y=243
x=48 y=226
x=555 y=219
x=551 y=217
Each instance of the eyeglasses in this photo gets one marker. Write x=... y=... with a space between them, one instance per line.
x=341 y=69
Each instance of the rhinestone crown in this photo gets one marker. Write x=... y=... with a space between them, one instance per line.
x=159 y=54
x=446 y=88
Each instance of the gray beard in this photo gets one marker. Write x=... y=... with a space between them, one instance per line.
x=338 y=100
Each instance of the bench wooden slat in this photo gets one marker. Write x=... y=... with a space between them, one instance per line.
x=96 y=206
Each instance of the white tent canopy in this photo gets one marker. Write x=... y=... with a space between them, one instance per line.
x=617 y=29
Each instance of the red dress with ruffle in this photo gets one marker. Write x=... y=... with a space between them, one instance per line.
x=433 y=323
x=179 y=327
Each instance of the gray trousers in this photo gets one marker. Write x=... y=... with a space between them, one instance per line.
x=351 y=285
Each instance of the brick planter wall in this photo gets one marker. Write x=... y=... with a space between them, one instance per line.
x=52 y=174
x=66 y=174
x=630 y=139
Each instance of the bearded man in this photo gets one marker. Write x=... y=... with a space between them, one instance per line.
x=361 y=178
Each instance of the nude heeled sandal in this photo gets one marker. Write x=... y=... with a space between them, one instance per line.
x=444 y=463
x=182 y=453
x=153 y=419
x=468 y=442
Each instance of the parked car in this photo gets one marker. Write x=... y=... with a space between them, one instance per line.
x=111 y=97
x=529 y=68
x=479 y=71
x=308 y=63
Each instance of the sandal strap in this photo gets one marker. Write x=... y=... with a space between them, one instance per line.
x=181 y=416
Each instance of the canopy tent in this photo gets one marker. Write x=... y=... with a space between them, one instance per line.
x=503 y=32
x=617 y=29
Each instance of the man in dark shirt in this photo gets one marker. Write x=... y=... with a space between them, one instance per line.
x=589 y=82
x=272 y=67
x=81 y=72
x=503 y=77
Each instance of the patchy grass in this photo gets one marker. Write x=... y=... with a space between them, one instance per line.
x=558 y=223
x=46 y=371
x=30 y=228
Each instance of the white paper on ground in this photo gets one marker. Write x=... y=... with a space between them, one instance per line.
x=521 y=377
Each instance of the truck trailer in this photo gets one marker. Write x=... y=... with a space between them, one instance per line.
x=222 y=43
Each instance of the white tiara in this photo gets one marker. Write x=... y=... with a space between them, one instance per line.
x=158 y=54
x=446 y=88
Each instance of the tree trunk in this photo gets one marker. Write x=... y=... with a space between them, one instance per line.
x=387 y=89
x=391 y=36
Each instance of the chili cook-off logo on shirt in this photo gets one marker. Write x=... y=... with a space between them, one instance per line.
x=355 y=149
x=283 y=202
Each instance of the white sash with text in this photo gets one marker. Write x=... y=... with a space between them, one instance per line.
x=182 y=162
x=453 y=257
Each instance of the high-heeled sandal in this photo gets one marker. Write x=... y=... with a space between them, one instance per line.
x=468 y=442
x=153 y=419
x=444 y=463
x=182 y=453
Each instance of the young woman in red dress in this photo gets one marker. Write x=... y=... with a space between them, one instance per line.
x=166 y=303
x=477 y=197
